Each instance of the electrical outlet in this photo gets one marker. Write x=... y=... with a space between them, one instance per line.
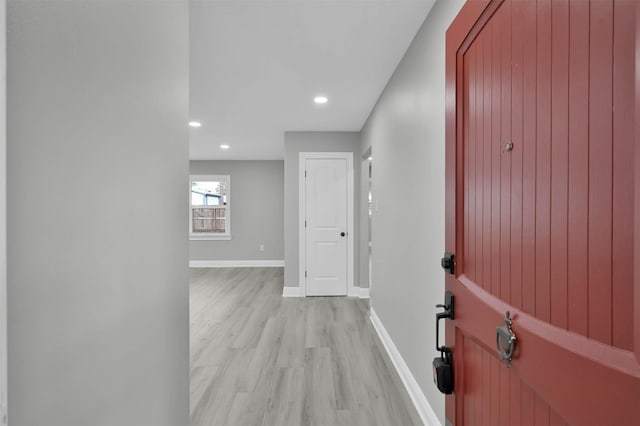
x=261 y=247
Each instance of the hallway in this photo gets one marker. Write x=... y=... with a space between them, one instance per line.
x=260 y=359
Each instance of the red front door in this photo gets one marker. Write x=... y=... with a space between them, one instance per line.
x=543 y=211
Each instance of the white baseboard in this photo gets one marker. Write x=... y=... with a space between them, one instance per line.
x=425 y=411
x=291 y=292
x=362 y=293
x=359 y=292
x=235 y=263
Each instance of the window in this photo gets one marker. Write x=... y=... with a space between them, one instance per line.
x=209 y=217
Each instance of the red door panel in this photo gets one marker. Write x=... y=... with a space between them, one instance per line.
x=549 y=229
x=560 y=165
x=578 y=167
x=495 y=396
x=623 y=181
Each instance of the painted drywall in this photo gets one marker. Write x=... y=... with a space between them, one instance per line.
x=406 y=133
x=294 y=144
x=98 y=251
x=257 y=211
x=3 y=208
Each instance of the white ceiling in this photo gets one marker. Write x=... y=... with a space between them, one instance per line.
x=257 y=65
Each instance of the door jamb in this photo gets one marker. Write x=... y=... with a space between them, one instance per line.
x=302 y=240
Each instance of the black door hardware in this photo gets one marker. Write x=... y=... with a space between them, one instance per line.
x=443 y=365
x=342 y=234
x=448 y=262
x=506 y=340
x=443 y=372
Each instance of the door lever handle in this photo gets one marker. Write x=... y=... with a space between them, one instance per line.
x=447 y=314
x=443 y=366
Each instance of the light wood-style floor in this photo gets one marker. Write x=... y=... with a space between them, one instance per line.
x=260 y=359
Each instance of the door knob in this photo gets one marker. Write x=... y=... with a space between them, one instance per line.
x=342 y=234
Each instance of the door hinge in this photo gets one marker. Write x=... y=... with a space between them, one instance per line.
x=305 y=274
x=305 y=223
x=305 y=173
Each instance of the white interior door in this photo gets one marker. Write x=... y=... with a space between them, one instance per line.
x=326 y=229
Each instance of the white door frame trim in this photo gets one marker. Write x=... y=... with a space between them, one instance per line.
x=302 y=249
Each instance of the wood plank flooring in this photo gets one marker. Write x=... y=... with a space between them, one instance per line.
x=260 y=359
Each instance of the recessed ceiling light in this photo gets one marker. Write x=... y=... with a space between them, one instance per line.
x=320 y=99
x=224 y=146
x=195 y=124
x=370 y=158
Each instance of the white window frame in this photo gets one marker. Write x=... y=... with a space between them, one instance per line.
x=210 y=236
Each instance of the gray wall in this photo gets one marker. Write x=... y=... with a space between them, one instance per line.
x=294 y=144
x=3 y=206
x=406 y=132
x=97 y=269
x=257 y=211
